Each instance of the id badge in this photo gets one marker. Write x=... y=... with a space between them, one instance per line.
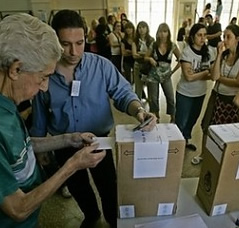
x=75 y=88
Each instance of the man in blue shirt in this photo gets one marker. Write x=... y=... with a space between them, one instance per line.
x=78 y=99
x=29 y=50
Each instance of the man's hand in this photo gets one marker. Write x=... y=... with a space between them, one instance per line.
x=143 y=116
x=85 y=158
x=78 y=140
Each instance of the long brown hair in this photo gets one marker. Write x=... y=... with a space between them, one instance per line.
x=164 y=27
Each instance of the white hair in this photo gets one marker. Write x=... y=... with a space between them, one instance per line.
x=26 y=39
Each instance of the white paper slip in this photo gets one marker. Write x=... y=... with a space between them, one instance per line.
x=150 y=154
x=189 y=221
x=105 y=143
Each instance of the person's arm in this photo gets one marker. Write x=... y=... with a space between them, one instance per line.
x=20 y=205
x=231 y=82
x=148 y=56
x=50 y=143
x=191 y=76
x=135 y=53
x=177 y=54
x=213 y=36
x=216 y=69
x=125 y=52
x=236 y=100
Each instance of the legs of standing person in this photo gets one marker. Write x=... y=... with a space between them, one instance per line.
x=167 y=87
x=116 y=60
x=127 y=72
x=153 y=95
x=80 y=188
x=137 y=80
x=104 y=176
x=187 y=112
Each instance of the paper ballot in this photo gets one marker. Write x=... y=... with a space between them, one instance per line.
x=150 y=154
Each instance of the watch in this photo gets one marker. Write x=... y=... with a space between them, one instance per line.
x=140 y=109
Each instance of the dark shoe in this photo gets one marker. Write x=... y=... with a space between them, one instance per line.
x=191 y=147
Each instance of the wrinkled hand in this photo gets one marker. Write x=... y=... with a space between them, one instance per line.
x=43 y=158
x=78 y=140
x=236 y=100
x=85 y=158
x=142 y=116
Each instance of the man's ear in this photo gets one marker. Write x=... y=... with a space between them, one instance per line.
x=14 y=70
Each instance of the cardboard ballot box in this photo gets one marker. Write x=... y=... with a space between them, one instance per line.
x=219 y=179
x=149 y=166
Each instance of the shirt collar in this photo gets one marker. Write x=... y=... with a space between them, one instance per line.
x=7 y=104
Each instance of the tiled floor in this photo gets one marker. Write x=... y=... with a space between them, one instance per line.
x=58 y=212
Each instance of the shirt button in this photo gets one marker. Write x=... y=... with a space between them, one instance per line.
x=77 y=121
x=75 y=106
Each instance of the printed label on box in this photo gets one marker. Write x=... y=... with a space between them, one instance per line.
x=165 y=209
x=214 y=149
x=127 y=211
x=219 y=209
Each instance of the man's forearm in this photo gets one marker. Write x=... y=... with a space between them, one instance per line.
x=49 y=143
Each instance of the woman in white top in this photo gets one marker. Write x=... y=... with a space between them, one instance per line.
x=191 y=89
x=221 y=108
x=115 y=38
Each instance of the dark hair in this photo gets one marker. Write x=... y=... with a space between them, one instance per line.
x=163 y=27
x=67 y=19
x=204 y=50
x=233 y=19
x=115 y=24
x=148 y=38
x=123 y=15
x=129 y=25
x=209 y=15
x=235 y=30
x=208 y=6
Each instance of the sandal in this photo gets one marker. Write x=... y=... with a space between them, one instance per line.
x=196 y=160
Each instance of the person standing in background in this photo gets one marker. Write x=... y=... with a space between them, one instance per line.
x=221 y=108
x=182 y=35
x=192 y=87
x=218 y=10
x=214 y=32
x=115 y=38
x=207 y=10
x=110 y=22
x=160 y=55
x=140 y=46
x=126 y=50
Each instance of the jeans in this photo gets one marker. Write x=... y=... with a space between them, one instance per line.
x=188 y=110
x=153 y=92
x=137 y=80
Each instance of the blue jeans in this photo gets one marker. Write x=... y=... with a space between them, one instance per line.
x=153 y=93
x=188 y=110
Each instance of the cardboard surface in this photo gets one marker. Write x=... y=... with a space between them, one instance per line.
x=218 y=183
x=148 y=196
